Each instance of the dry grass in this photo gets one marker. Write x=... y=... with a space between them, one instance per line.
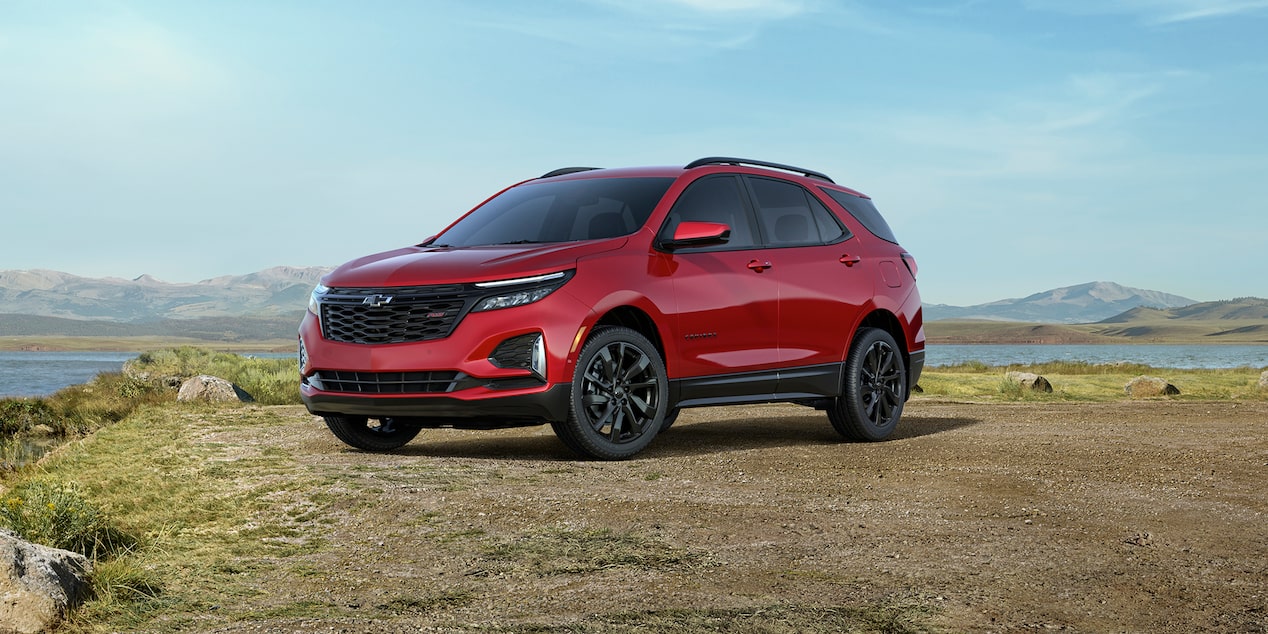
x=1074 y=381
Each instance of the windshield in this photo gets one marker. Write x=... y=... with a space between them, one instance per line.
x=583 y=209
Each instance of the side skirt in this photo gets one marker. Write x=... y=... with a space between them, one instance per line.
x=805 y=384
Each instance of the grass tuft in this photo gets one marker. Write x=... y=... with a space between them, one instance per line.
x=59 y=516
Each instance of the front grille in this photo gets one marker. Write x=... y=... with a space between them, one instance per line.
x=393 y=315
x=384 y=382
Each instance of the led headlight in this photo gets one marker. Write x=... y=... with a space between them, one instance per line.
x=520 y=291
x=314 y=302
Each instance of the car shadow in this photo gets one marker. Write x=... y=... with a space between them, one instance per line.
x=733 y=434
x=716 y=434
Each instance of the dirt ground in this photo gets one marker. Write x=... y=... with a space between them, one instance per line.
x=1141 y=516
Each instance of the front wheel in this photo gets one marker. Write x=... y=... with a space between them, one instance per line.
x=379 y=435
x=619 y=396
x=875 y=388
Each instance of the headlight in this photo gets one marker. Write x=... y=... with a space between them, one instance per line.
x=520 y=291
x=314 y=301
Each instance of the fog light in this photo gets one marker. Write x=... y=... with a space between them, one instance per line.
x=526 y=352
x=539 y=357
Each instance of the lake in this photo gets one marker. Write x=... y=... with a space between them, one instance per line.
x=1157 y=355
x=42 y=373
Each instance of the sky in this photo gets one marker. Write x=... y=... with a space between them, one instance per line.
x=1013 y=146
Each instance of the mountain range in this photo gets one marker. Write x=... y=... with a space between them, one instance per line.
x=1081 y=304
x=278 y=291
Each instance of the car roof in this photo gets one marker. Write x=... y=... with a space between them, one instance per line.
x=729 y=165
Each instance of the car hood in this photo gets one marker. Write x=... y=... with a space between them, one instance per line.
x=420 y=265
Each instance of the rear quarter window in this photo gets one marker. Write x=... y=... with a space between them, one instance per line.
x=865 y=212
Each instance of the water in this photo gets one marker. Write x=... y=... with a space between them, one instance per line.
x=1157 y=355
x=42 y=373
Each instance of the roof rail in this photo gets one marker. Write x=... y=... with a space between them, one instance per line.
x=727 y=160
x=566 y=170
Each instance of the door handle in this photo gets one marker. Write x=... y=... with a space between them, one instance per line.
x=758 y=266
x=850 y=260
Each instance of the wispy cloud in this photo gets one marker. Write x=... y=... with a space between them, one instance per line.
x=657 y=28
x=1157 y=11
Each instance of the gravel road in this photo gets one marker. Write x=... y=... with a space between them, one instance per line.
x=1134 y=516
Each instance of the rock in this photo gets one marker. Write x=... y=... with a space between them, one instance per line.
x=132 y=368
x=211 y=389
x=1030 y=380
x=42 y=431
x=1263 y=380
x=38 y=584
x=1146 y=386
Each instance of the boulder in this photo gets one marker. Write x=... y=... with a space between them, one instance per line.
x=1030 y=381
x=1146 y=386
x=132 y=368
x=211 y=389
x=1263 y=380
x=38 y=584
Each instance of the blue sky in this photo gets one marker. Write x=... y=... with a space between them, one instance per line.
x=1013 y=146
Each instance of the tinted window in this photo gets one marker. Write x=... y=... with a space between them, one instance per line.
x=865 y=212
x=830 y=229
x=582 y=209
x=790 y=215
x=713 y=199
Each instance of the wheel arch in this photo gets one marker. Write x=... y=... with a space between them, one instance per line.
x=889 y=322
x=638 y=320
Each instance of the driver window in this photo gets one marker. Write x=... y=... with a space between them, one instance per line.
x=713 y=199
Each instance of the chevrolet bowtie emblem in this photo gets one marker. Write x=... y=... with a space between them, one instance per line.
x=374 y=301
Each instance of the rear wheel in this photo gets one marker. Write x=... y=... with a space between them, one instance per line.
x=383 y=434
x=619 y=396
x=875 y=388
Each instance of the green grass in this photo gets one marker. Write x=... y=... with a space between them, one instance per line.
x=1077 y=381
x=268 y=381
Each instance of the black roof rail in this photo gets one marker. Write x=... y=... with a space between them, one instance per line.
x=727 y=160
x=566 y=170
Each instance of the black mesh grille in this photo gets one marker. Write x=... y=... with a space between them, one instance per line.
x=393 y=315
x=384 y=382
x=516 y=352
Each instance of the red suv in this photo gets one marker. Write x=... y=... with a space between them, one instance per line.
x=602 y=301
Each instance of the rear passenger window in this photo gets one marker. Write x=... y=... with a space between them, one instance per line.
x=790 y=215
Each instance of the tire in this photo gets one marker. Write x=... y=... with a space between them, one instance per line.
x=875 y=389
x=619 y=396
x=670 y=417
x=362 y=433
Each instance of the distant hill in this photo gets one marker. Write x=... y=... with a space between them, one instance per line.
x=274 y=292
x=1243 y=321
x=1084 y=303
x=212 y=329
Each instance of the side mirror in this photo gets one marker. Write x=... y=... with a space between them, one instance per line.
x=694 y=234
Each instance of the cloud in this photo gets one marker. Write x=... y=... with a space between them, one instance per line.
x=656 y=28
x=1157 y=12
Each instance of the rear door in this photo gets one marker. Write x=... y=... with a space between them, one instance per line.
x=822 y=288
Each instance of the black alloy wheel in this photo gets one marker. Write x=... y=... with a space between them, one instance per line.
x=875 y=388
x=619 y=396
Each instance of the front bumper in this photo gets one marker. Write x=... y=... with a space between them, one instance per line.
x=514 y=410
